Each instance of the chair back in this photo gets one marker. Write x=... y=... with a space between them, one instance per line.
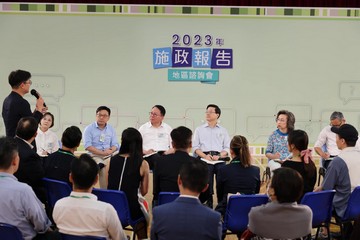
x=56 y=190
x=353 y=208
x=74 y=237
x=166 y=197
x=321 y=206
x=8 y=231
x=236 y=217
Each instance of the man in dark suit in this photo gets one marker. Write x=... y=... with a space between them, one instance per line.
x=30 y=167
x=167 y=167
x=186 y=217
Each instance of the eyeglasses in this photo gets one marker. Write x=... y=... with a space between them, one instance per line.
x=28 y=82
x=280 y=120
x=208 y=112
x=102 y=115
x=153 y=114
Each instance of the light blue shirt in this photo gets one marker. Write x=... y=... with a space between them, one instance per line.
x=207 y=138
x=100 y=138
x=20 y=207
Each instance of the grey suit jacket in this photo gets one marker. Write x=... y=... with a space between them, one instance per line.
x=185 y=218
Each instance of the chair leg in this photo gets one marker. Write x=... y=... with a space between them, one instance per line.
x=317 y=233
x=328 y=230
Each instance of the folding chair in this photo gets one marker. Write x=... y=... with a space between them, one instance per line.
x=55 y=190
x=75 y=237
x=321 y=206
x=166 y=197
x=236 y=217
x=8 y=231
x=119 y=201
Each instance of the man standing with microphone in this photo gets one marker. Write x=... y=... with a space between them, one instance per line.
x=15 y=106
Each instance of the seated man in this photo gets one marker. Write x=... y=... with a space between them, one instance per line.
x=186 y=217
x=30 y=170
x=18 y=203
x=81 y=213
x=58 y=164
x=167 y=167
x=101 y=141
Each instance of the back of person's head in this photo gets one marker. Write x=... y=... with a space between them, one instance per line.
x=194 y=175
x=290 y=119
x=216 y=107
x=84 y=171
x=240 y=147
x=50 y=115
x=17 y=77
x=103 y=108
x=161 y=109
x=287 y=184
x=299 y=139
x=181 y=137
x=336 y=115
x=8 y=149
x=131 y=143
x=26 y=128
x=71 y=137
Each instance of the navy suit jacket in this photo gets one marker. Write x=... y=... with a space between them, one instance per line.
x=185 y=218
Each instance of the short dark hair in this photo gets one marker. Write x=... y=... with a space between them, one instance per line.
x=194 y=175
x=287 y=184
x=84 y=171
x=103 y=108
x=217 y=109
x=17 y=77
x=8 y=148
x=26 y=128
x=52 y=117
x=161 y=109
x=181 y=137
x=290 y=119
x=71 y=137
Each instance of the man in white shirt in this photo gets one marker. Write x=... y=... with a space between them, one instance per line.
x=81 y=213
x=156 y=135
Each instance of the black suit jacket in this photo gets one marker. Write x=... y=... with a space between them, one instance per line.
x=30 y=169
x=166 y=172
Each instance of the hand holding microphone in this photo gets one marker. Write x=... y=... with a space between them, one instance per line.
x=40 y=104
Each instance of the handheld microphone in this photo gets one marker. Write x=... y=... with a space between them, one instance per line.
x=36 y=94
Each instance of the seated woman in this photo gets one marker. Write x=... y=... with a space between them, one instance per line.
x=283 y=217
x=302 y=160
x=46 y=140
x=239 y=176
x=129 y=173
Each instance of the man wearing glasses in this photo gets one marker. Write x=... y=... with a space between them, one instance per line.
x=101 y=141
x=156 y=136
x=15 y=106
x=211 y=142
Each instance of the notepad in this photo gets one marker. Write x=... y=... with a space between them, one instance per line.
x=211 y=162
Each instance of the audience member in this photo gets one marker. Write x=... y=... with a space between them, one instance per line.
x=81 y=213
x=239 y=176
x=101 y=141
x=282 y=218
x=156 y=136
x=129 y=173
x=19 y=205
x=167 y=167
x=58 y=164
x=47 y=141
x=186 y=217
x=15 y=106
x=301 y=159
x=211 y=142
x=277 y=146
x=343 y=172
x=30 y=169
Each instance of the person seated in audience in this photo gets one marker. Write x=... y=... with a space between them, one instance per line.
x=101 y=141
x=277 y=147
x=46 y=140
x=186 y=217
x=58 y=164
x=283 y=217
x=239 y=176
x=81 y=213
x=301 y=159
x=18 y=203
x=31 y=169
x=129 y=172
x=167 y=167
